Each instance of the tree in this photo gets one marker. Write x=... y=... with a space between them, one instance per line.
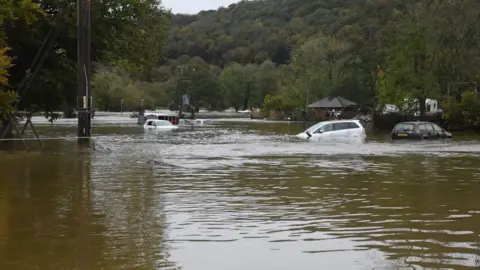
x=7 y=97
x=26 y=11
x=126 y=34
x=236 y=80
x=421 y=39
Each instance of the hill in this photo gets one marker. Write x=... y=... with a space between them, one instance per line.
x=253 y=31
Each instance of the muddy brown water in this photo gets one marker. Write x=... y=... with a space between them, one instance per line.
x=238 y=196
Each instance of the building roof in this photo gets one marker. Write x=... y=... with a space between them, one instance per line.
x=332 y=102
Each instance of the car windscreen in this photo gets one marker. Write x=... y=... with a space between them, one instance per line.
x=314 y=127
x=404 y=127
x=355 y=125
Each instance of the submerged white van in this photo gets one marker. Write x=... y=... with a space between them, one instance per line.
x=336 y=130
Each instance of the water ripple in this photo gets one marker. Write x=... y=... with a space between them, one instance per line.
x=203 y=198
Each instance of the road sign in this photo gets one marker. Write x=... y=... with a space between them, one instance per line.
x=186 y=100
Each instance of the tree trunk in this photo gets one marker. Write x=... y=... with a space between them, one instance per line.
x=247 y=97
x=421 y=104
x=9 y=133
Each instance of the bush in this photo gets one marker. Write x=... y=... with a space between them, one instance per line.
x=463 y=114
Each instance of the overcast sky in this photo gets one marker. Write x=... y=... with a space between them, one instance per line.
x=195 y=6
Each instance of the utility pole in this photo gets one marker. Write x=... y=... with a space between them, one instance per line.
x=307 y=98
x=83 y=71
x=179 y=94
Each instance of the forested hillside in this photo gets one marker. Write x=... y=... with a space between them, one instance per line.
x=253 y=31
x=274 y=54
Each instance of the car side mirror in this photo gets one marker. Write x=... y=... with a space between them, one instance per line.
x=319 y=131
x=308 y=134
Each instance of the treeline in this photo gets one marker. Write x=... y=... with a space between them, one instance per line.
x=236 y=86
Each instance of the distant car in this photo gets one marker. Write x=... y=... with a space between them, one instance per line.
x=158 y=124
x=419 y=130
x=336 y=130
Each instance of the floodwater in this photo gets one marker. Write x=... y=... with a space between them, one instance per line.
x=238 y=196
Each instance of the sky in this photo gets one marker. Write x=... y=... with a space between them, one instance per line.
x=195 y=6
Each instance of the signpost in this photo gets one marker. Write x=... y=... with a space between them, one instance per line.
x=186 y=100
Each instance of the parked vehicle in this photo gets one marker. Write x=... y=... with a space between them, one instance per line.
x=419 y=130
x=336 y=130
x=142 y=118
x=159 y=124
x=197 y=122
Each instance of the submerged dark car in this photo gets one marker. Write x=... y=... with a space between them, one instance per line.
x=419 y=130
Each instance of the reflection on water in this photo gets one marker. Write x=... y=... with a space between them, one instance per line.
x=238 y=197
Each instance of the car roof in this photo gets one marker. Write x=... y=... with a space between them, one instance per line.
x=415 y=122
x=157 y=120
x=339 y=121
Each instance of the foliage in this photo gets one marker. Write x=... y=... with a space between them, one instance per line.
x=465 y=113
x=7 y=97
x=326 y=48
x=24 y=10
x=237 y=80
x=132 y=39
x=129 y=35
x=5 y=64
x=115 y=91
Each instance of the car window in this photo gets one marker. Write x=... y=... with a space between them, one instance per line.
x=154 y=124
x=314 y=128
x=341 y=126
x=404 y=127
x=429 y=127
x=422 y=127
x=325 y=128
x=436 y=127
x=353 y=125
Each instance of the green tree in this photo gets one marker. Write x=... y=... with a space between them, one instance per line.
x=129 y=35
x=26 y=11
x=425 y=41
x=7 y=96
x=233 y=80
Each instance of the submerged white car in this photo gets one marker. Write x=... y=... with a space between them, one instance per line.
x=336 y=130
x=158 y=125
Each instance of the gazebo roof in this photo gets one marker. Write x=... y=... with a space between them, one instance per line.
x=332 y=102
